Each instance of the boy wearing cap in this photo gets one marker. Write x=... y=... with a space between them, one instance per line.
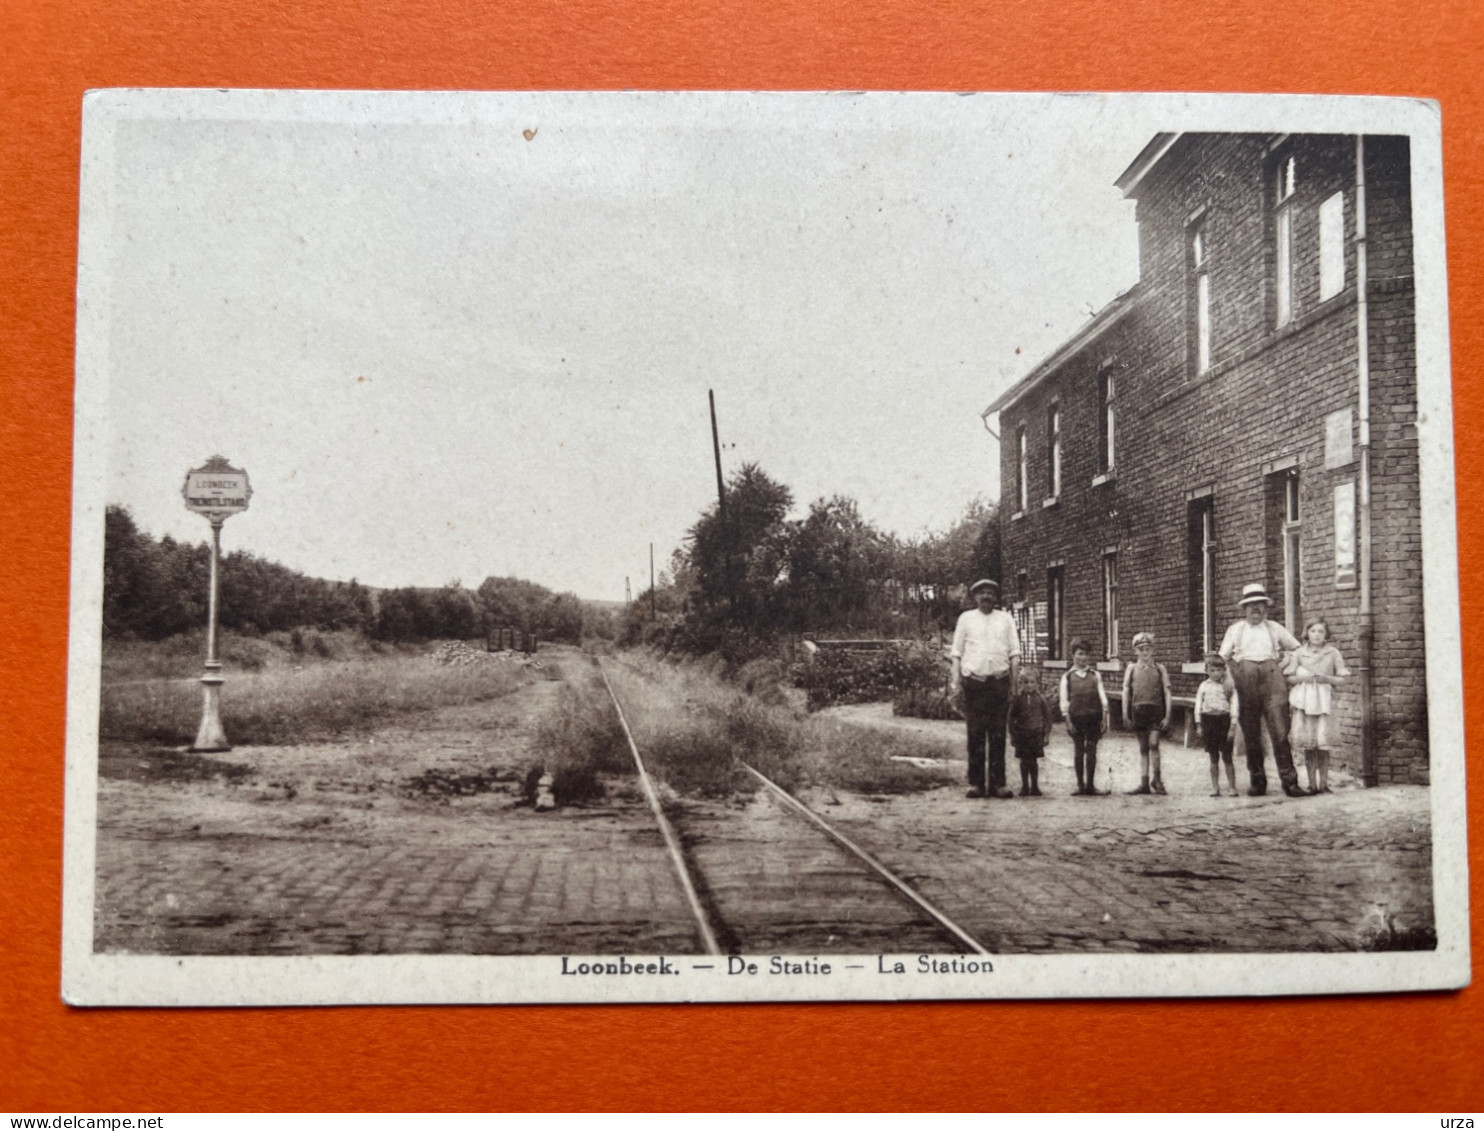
x=986 y=661
x=1146 y=708
x=1254 y=648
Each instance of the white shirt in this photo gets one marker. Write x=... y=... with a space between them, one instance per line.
x=985 y=643
x=1265 y=640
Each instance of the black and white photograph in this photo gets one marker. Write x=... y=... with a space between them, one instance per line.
x=667 y=547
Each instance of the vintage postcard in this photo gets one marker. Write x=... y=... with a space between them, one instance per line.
x=662 y=547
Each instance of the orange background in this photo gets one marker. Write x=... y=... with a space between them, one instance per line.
x=1419 y=1051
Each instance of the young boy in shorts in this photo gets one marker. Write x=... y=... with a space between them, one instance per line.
x=1146 y=709
x=1084 y=704
x=1213 y=718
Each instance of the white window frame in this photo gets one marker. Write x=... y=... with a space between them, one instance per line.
x=1053 y=448
x=1204 y=561
x=1022 y=484
x=1284 y=186
x=1201 y=268
x=1332 y=246
x=1292 y=554
x=1110 y=604
x=1056 y=611
x=1108 y=418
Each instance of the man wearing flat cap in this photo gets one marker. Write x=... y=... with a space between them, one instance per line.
x=986 y=662
x=1254 y=649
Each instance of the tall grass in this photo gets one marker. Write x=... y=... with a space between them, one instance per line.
x=694 y=728
x=580 y=738
x=284 y=705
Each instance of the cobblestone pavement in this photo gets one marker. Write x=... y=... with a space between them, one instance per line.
x=1185 y=872
x=321 y=850
x=324 y=849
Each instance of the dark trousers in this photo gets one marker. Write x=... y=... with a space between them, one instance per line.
x=1086 y=730
x=986 y=705
x=1263 y=697
x=1216 y=736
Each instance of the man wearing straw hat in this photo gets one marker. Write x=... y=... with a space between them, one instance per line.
x=986 y=662
x=1254 y=649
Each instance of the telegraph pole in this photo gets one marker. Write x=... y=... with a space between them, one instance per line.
x=651 y=581
x=721 y=505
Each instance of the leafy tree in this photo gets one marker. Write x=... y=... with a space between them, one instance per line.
x=837 y=563
x=737 y=564
x=397 y=615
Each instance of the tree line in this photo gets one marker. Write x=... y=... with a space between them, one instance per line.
x=157 y=587
x=746 y=569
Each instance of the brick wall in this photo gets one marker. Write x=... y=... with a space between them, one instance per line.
x=1234 y=433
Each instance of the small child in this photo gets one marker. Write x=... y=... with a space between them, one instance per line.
x=1084 y=704
x=1146 y=708
x=1318 y=667
x=1030 y=727
x=1213 y=717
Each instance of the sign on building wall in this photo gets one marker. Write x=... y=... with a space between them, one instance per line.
x=1345 y=535
x=1338 y=451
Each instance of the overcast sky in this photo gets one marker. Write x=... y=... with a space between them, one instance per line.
x=445 y=350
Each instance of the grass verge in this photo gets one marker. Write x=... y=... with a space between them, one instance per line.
x=693 y=729
x=282 y=706
x=578 y=740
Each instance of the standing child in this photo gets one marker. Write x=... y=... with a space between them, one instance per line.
x=1084 y=704
x=1146 y=708
x=1213 y=718
x=1030 y=727
x=1318 y=667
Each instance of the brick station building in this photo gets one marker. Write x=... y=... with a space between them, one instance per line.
x=1216 y=424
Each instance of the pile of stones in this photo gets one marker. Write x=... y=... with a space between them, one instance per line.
x=459 y=654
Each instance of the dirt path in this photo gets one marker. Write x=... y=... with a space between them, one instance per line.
x=363 y=847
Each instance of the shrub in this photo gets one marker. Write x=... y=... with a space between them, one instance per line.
x=926 y=703
x=837 y=676
x=762 y=679
x=693 y=730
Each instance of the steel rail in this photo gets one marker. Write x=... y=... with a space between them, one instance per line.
x=881 y=869
x=672 y=842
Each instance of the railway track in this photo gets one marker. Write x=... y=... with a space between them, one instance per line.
x=863 y=879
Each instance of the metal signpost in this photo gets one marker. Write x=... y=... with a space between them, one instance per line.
x=216 y=490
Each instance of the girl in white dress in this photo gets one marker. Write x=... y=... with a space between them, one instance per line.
x=1317 y=668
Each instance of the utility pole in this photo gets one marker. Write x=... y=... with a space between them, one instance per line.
x=628 y=593
x=721 y=505
x=651 y=581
